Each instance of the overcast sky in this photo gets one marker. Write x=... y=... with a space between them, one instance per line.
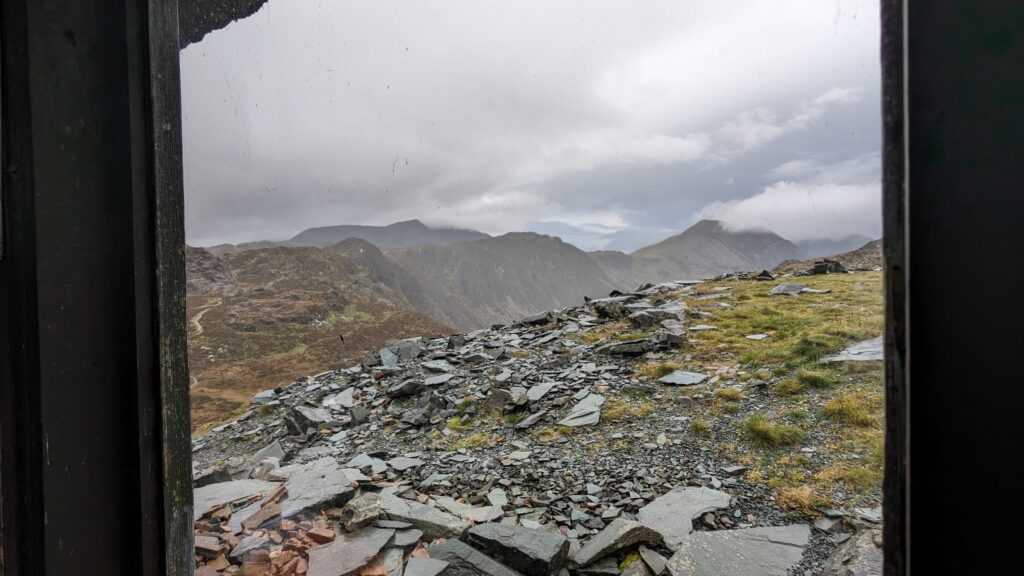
x=610 y=124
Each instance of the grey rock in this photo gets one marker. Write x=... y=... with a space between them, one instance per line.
x=537 y=319
x=403 y=463
x=483 y=514
x=604 y=567
x=683 y=378
x=621 y=533
x=406 y=388
x=464 y=560
x=530 y=420
x=367 y=463
x=438 y=380
x=788 y=289
x=655 y=561
x=672 y=514
x=206 y=497
x=361 y=511
x=264 y=397
x=827 y=525
x=859 y=556
x=319 y=484
x=586 y=412
x=627 y=348
x=405 y=349
x=406 y=538
x=425 y=567
x=873 y=515
x=248 y=544
x=388 y=359
x=349 y=552
x=303 y=418
x=864 y=351
x=533 y=552
x=433 y=522
x=748 y=552
x=538 y=391
x=391 y=560
x=437 y=366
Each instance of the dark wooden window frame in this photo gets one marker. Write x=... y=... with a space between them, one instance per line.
x=95 y=465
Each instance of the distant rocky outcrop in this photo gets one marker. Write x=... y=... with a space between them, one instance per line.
x=867 y=257
x=197 y=18
x=205 y=273
x=408 y=233
x=820 y=247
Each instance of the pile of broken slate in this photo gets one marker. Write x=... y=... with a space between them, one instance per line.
x=341 y=473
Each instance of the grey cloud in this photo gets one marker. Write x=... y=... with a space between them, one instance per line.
x=516 y=115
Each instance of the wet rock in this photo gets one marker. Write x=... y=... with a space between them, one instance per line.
x=319 y=484
x=348 y=553
x=682 y=378
x=672 y=514
x=859 y=556
x=533 y=552
x=433 y=522
x=619 y=534
x=464 y=560
x=747 y=552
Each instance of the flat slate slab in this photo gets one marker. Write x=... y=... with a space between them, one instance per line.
x=433 y=522
x=425 y=567
x=672 y=514
x=586 y=412
x=530 y=551
x=212 y=495
x=864 y=351
x=349 y=552
x=464 y=560
x=319 y=484
x=748 y=552
x=683 y=378
x=621 y=533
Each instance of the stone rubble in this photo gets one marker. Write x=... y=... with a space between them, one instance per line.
x=338 y=473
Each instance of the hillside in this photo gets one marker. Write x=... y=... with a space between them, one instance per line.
x=409 y=233
x=867 y=257
x=281 y=317
x=819 y=248
x=707 y=249
x=589 y=440
x=475 y=284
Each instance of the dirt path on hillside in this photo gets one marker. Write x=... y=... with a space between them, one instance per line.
x=199 y=316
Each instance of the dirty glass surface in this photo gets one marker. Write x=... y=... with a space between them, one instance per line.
x=533 y=287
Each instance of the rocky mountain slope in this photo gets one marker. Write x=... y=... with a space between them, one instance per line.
x=821 y=248
x=409 y=233
x=867 y=257
x=259 y=317
x=707 y=249
x=475 y=284
x=679 y=429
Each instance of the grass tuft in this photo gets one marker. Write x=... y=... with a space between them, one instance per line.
x=768 y=435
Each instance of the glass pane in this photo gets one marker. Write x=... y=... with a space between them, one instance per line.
x=541 y=288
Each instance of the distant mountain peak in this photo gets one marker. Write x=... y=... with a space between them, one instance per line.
x=405 y=233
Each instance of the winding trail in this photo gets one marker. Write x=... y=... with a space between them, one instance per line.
x=199 y=316
x=194 y=321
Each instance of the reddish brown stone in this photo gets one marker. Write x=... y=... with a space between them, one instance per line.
x=262 y=516
x=321 y=535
